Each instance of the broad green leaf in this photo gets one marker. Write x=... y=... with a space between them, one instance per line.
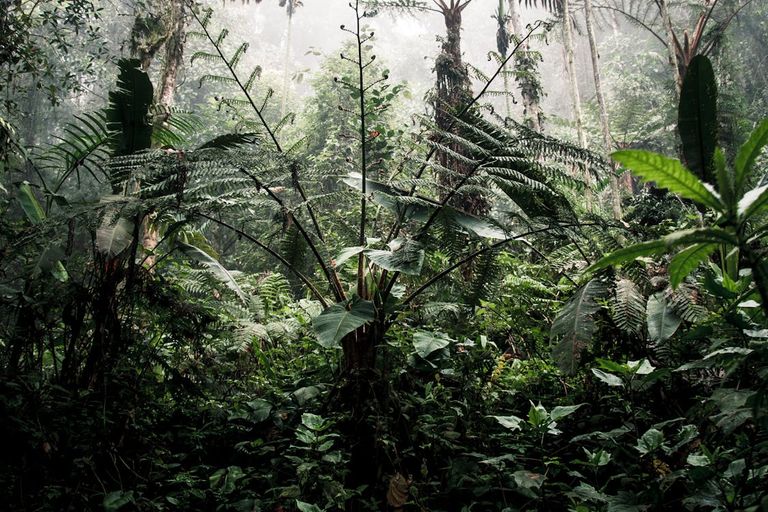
x=116 y=500
x=538 y=415
x=700 y=236
x=307 y=507
x=216 y=268
x=313 y=421
x=753 y=202
x=697 y=116
x=687 y=260
x=260 y=410
x=631 y=253
x=29 y=204
x=347 y=253
x=608 y=378
x=510 y=422
x=574 y=325
x=561 y=411
x=651 y=441
x=407 y=256
x=641 y=367
x=748 y=153
x=670 y=174
x=697 y=460
x=114 y=235
x=662 y=321
x=341 y=319
x=425 y=343
x=528 y=479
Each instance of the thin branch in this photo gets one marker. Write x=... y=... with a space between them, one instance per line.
x=271 y=252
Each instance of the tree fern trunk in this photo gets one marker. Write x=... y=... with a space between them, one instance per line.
x=529 y=89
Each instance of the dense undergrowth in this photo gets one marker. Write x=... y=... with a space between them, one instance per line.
x=429 y=321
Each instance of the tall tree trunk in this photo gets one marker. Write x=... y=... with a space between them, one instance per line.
x=526 y=68
x=454 y=92
x=575 y=95
x=286 y=66
x=174 y=54
x=174 y=59
x=606 y=129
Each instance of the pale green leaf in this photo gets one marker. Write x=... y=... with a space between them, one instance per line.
x=561 y=411
x=216 y=268
x=608 y=378
x=114 y=235
x=510 y=422
x=753 y=202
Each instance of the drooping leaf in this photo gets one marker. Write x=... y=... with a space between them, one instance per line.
x=575 y=325
x=29 y=204
x=687 y=260
x=608 y=378
x=406 y=256
x=631 y=253
x=662 y=321
x=341 y=319
x=561 y=411
x=528 y=479
x=748 y=153
x=347 y=253
x=510 y=422
x=753 y=202
x=230 y=141
x=697 y=116
x=670 y=174
x=216 y=268
x=114 y=235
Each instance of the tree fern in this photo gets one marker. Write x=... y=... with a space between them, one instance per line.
x=628 y=307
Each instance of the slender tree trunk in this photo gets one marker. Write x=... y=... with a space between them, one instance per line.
x=529 y=89
x=606 y=129
x=286 y=67
x=575 y=95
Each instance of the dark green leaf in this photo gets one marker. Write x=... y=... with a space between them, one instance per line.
x=341 y=319
x=687 y=260
x=697 y=116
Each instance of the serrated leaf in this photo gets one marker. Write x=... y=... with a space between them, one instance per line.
x=670 y=174
x=662 y=321
x=748 y=153
x=341 y=319
x=687 y=260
